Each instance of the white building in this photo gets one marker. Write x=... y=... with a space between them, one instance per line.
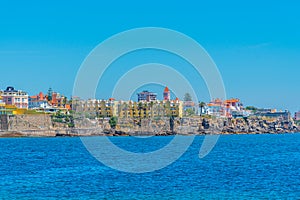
x=39 y=104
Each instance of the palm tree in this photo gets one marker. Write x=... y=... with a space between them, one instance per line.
x=140 y=107
x=97 y=108
x=201 y=105
x=64 y=101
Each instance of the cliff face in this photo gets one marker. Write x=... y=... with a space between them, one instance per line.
x=29 y=122
x=28 y=125
x=44 y=126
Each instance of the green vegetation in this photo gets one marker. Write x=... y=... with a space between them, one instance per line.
x=63 y=118
x=251 y=108
x=189 y=112
x=187 y=97
x=49 y=96
x=297 y=122
x=201 y=105
x=33 y=112
x=113 y=122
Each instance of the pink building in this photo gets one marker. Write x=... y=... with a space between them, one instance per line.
x=14 y=97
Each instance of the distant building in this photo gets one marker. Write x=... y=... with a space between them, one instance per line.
x=189 y=105
x=216 y=108
x=228 y=108
x=129 y=109
x=285 y=115
x=167 y=94
x=147 y=96
x=297 y=116
x=233 y=106
x=16 y=98
x=96 y=108
x=52 y=102
x=56 y=100
x=38 y=102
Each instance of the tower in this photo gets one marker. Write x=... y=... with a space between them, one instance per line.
x=167 y=94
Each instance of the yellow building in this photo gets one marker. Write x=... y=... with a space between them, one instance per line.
x=11 y=110
x=144 y=109
x=130 y=109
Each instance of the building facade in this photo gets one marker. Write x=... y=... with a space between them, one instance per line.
x=128 y=109
x=147 y=96
x=228 y=108
x=285 y=115
x=38 y=101
x=2 y=106
x=297 y=116
x=16 y=98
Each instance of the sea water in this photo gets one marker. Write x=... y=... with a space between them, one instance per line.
x=239 y=167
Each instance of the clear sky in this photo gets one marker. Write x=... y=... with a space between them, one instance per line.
x=255 y=44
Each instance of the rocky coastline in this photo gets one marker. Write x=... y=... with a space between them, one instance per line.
x=24 y=126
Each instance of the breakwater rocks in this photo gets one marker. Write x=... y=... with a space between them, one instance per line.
x=251 y=125
x=63 y=132
x=43 y=126
x=203 y=126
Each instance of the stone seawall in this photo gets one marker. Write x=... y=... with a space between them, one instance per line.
x=29 y=122
x=208 y=125
x=43 y=126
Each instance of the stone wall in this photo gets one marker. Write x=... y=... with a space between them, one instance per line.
x=4 y=122
x=42 y=125
x=29 y=122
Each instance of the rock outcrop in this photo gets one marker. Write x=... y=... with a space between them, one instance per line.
x=43 y=126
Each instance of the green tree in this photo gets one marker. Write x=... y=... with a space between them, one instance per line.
x=187 y=97
x=190 y=112
x=49 y=98
x=125 y=108
x=141 y=110
x=113 y=122
x=167 y=108
x=251 y=108
x=201 y=105
x=97 y=109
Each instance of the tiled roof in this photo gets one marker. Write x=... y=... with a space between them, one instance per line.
x=166 y=89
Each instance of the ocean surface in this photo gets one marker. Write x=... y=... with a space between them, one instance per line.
x=239 y=167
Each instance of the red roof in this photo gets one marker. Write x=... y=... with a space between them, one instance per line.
x=166 y=89
x=34 y=97
x=41 y=96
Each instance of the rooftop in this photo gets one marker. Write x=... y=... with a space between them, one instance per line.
x=166 y=89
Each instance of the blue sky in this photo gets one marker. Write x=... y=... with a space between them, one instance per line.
x=256 y=45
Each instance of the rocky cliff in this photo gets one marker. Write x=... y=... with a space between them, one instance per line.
x=43 y=125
